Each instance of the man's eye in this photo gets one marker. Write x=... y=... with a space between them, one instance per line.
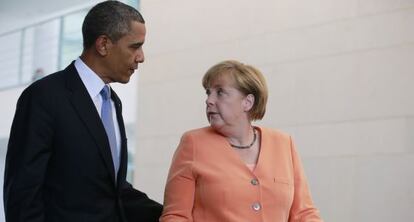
x=136 y=46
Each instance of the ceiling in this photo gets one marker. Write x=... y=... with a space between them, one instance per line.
x=17 y=13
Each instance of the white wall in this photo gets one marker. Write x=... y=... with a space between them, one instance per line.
x=340 y=75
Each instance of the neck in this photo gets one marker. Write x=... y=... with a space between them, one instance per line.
x=249 y=145
x=241 y=136
x=94 y=62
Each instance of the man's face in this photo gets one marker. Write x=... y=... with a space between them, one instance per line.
x=125 y=54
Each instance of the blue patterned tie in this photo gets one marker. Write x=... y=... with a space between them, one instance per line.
x=106 y=116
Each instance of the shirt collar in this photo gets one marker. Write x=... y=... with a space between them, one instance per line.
x=90 y=79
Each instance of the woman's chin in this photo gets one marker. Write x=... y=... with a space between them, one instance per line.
x=215 y=125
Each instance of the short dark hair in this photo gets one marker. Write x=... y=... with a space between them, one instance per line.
x=110 y=18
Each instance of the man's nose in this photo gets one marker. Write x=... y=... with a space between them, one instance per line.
x=139 y=58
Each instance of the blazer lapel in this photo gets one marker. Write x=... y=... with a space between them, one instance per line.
x=86 y=109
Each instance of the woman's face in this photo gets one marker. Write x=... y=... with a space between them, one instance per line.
x=226 y=105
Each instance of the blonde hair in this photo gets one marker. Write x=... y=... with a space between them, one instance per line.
x=248 y=79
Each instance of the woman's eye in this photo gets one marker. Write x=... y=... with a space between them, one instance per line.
x=208 y=92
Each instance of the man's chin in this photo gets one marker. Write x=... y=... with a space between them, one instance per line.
x=124 y=81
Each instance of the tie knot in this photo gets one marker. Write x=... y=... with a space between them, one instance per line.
x=106 y=92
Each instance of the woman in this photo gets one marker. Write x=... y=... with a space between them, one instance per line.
x=231 y=170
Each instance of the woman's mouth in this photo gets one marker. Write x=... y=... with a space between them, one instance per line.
x=212 y=114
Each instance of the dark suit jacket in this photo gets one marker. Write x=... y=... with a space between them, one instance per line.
x=59 y=165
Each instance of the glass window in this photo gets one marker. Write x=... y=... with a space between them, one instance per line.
x=40 y=50
x=9 y=59
x=71 y=39
x=27 y=66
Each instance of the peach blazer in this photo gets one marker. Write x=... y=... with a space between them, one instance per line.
x=208 y=182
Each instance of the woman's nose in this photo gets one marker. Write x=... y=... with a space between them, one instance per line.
x=209 y=100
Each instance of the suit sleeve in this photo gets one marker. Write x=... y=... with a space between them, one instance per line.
x=303 y=209
x=28 y=153
x=180 y=186
x=138 y=207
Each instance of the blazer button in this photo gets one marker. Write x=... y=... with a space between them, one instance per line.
x=254 y=182
x=256 y=206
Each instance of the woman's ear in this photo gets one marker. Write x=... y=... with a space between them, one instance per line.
x=248 y=102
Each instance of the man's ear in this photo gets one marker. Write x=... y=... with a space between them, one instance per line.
x=102 y=44
x=248 y=102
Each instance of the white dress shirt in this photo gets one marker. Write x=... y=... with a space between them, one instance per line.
x=94 y=84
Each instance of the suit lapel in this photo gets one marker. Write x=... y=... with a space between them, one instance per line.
x=124 y=149
x=86 y=109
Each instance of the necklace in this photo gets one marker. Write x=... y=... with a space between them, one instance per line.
x=248 y=146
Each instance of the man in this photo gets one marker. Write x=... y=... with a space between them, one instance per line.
x=67 y=153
